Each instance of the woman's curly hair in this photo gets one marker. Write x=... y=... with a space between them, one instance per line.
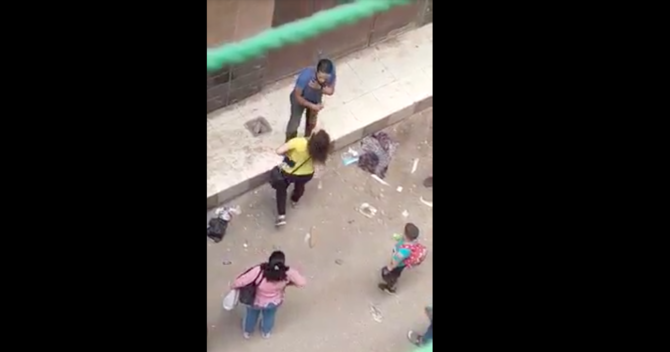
x=318 y=146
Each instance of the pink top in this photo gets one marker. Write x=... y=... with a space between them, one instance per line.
x=269 y=292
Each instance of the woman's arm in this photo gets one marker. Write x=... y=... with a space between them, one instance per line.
x=296 y=278
x=284 y=148
x=246 y=279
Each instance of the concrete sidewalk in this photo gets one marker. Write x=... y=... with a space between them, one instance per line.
x=376 y=87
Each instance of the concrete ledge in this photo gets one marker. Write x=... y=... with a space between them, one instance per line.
x=338 y=143
x=377 y=87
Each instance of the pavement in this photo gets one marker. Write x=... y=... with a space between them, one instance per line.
x=333 y=312
x=376 y=88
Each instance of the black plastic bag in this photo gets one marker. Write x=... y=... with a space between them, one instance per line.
x=216 y=229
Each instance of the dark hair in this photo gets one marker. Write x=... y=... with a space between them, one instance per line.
x=275 y=270
x=325 y=66
x=318 y=146
x=411 y=231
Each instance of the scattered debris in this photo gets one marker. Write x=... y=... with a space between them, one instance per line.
x=312 y=239
x=430 y=204
x=376 y=314
x=227 y=262
x=339 y=261
x=227 y=213
x=380 y=180
x=414 y=165
x=350 y=153
x=245 y=244
x=367 y=210
x=349 y=157
x=351 y=221
x=399 y=189
x=377 y=151
x=217 y=226
x=397 y=236
x=405 y=213
x=348 y=162
x=320 y=185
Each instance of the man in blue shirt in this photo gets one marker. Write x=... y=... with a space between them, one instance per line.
x=311 y=85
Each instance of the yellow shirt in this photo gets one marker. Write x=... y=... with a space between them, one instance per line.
x=298 y=153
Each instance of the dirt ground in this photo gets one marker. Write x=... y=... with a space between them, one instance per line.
x=333 y=312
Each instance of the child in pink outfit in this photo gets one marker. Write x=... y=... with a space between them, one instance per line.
x=271 y=284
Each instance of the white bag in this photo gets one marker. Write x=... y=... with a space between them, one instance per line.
x=230 y=301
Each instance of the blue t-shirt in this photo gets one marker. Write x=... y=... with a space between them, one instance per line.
x=400 y=254
x=310 y=94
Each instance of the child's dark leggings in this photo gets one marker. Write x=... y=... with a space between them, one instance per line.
x=391 y=278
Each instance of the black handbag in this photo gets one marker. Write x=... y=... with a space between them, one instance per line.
x=277 y=176
x=247 y=294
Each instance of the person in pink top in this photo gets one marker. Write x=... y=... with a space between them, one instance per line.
x=271 y=280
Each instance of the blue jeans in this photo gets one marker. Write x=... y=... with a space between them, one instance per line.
x=428 y=336
x=267 y=316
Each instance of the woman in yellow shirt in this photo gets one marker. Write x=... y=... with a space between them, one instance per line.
x=300 y=154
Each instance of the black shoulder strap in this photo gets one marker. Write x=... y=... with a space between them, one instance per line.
x=260 y=271
x=299 y=166
x=252 y=268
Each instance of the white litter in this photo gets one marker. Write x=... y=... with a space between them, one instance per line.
x=376 y=314
x=430 y=204
x=380 y=180
x=311 y=239
x=367 y=210
x=349 y=157
x=227 y=213
x=351 y=153
x=405 y=213
x=415 y=164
